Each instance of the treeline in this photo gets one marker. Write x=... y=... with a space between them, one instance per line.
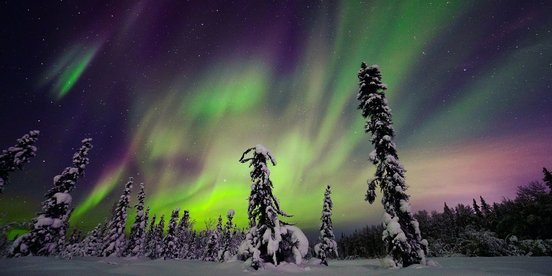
x=48 y=232
x=150 y=238
x=156 y=241
x=512 y=227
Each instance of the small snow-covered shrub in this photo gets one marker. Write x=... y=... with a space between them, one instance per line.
x=438 y=248
x=531 y=247
x=482 y=243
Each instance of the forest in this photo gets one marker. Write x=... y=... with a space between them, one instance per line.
x=513 y=227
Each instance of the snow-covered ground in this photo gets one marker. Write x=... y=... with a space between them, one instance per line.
x=103 y=266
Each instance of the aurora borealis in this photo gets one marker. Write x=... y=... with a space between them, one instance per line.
x=173 y=92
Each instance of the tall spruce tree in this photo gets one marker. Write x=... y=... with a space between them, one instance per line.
x=402 y=235
x=265 y=234
x=49 y=228
x=477 y=210
x=486 y=213
x=326 y=246
x=170 y=242
x=114 y=240
x=15 y=157
x=137 y=238
x=485 y=208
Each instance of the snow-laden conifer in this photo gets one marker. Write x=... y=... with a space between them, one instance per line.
x=48 y=231
x=157 y=239
x=268 y=239
x=183 y=235
x=72 y=247
x=227 y=249
x=170 y=241
x=210 y=254
x=402 y=234
x=326 y=246
x=76 y=236
x=213 y=243
x=15 y=157
x=150 y=238
x=193 y=252
x=91 y=245
x=114 y=240
x=137 y=238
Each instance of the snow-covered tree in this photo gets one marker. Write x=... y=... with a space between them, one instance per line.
x=218 y=229
x=402 y=234
x=170 y=241
x=193 y=243
x=326 y=246
x=137 y=238
x=227 y=247
x=157 y=239
x=49 y=228
x=15 y=157
x=150 y=238
x=211 y=251
x=183 y=235
x=213 y=244
x=91 y=245
x=268 y=239
x=75 y=236
x=73 y=246
x=114 y=239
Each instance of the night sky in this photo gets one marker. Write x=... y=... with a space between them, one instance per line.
x=172 y=92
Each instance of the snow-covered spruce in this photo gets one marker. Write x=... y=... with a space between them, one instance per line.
x=268 y=239
x=137 y=239
x=15 y=157
x=183 y=235
x=150 y=240
x=157 y=239
x=227 y=249
x=402 y=235
x=48 y=231
x=326 y=246
x=170 y=242
x=91 y=245
x=193 y=242
x=214 y=242
x=72 y=247
x=114 y=239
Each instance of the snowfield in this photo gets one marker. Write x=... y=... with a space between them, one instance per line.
x=132 y=266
